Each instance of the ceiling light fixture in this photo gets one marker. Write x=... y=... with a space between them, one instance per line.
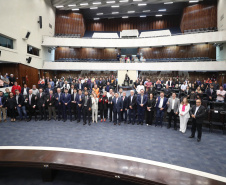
x=123 y=1
x=71 y=5
x=84 y=4
x=168 y=3
x=143 y=4
x=146 y=10
x=92 y=8
x=158 y=15
x=96 y=18
x=109 y=2
x=131 y=11
x=60 y=6
x=100 y=13
x=162 y=10
x=115 y=6
x=193 y=1
x=96 y=2
x=143 y=16
x=75 y=9
x=115 y=12
x=125 y=17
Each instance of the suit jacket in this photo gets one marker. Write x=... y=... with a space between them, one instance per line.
x=52 y=101
x=41 y=100
x=151 y=91
x=11 y=103
x=66 y=99
x=139 y=100
x=117 y=106
x=47 y=90
x=151 y=103
x=200 y=114
x=186 y=112
x=89 y=102
x=22 y=90
x=164 y=102
x=59 y=98
x=33 y=100
x=213 y=94
x=3 y=101
x=103 y=103
x=74 y=98
x=101 y=84
x=125 y=102
x=81 y=86
x=132 y=103
x=20 y=100
x=176 y=105
x=167 y=92
x=78 y=99
x=108 y=87
x=172 y=83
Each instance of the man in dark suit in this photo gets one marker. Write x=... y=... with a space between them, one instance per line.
x=108 y=87
x=114 y=84
x=125 y=107
x=170 y=83
x=79 y=105
x=41 y=100
x=161 y=104
x=25 y=90
x=151 y=90
x=71 y=91
x=211 y=93
x=167 y=91
x=198 y=113
x=101 y=84
x=51 y=105
x=110 y=105
x=48 y=89
x=31 y=105
x=66 y=103
x=141 y=103
x=58 y=97
x=80 y=85
x=2 y=107
x=86 y=107
x=20 y=105
x=132 y=101
x=117 y=108
x=74 y=103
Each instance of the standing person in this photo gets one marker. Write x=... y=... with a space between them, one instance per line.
x=58 y=104
x=220 y=95
x=25 y=90
x=173 y=109
x=51 y=105
x=197 y=112
x=16 y=87
x=103 y=106
x=74 y=103
x=41 y=100
x=140 y=87
x=94 y=108
x=2 y=107
x=184 y=114
x=161 y=102
x=96 y=91
x=12 y=80
x=20 y=105
x=150 y=109
x=132 y=102
x=31 y=105
x=11 y=107
x=141 y=103
x=66 y=103
x=86 y=108
x=117 y=109
x=79 y=105
x=110 y=105
x=125 y=107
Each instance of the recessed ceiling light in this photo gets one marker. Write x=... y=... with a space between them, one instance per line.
x=110 y=2
x=123 y=1
x=96 y=18
x=96 y=2
x=125 y=17
x=100 y=13
x=168 y=3
x=162 y=10
x=115 y=12
x=143 y=16
x=131 y=11
x=146 y=10
x=137 y=0
x=75 y=9
x=93 y=8
x=72 y=5
x=143 y=4
x=115 y=6
x=84 y=4
x=193 y=1
x=60 y=6
x=158 y=15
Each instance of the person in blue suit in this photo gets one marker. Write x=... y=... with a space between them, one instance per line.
x=161 y=105
x=79 y=105
x=48 y=89
x=66 y=103
x=58 y=97
x=117 y=108
x=141 y=103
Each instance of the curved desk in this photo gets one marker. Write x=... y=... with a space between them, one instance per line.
x=126 y=168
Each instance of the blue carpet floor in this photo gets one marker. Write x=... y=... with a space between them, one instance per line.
x=154 y=143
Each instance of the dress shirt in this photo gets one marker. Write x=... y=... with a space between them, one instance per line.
x=161 y=102
x=17 y=96
x=173 y=102
x=25 y=92
x=141 y=99
x=197 y=108
x=0 y=100
x=30 y=99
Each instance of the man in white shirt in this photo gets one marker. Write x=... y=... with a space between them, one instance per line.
x=139 y=88
x=220 y=95
x=183 y=86
x=160 y=107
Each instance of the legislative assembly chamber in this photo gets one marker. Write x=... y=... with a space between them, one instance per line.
x=112 y=92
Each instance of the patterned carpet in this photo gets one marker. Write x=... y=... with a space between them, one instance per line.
x=154 y=143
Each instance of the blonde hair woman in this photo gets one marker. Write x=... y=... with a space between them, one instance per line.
x=184 y=114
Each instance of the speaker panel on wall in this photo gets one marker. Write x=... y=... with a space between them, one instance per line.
x=29 y=60
x=40 y=21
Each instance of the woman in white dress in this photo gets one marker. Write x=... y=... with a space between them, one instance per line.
x=94 y=107
x=184 y=114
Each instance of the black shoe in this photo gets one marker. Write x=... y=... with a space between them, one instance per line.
x=28 y=119
x=84 y=123
x=133 y=123
x=141 y=123
x=40 y=119
x=36 y=119
x=89 y=124
x=191 y=137
x=119 y=123
x=45 y=119
x=138 y=123
x=78 y=121
x=55 y=119
x=115 y=123
x=168 y=127
x=65 y=120
x=125 y=122
x=71 y=120
x=129 y=122
x=49 y=119
x=155 y=125
x=110 y=120
x=175 y=128
x=198 y=140
x=59 y=119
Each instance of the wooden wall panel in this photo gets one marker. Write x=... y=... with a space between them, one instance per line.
x=68 y=22
x=199 y=16
x=20 y=71
x=65 y=52
x=201 y=50
x=148 y=23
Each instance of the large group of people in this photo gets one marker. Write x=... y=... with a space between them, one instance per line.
x=87 y=97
